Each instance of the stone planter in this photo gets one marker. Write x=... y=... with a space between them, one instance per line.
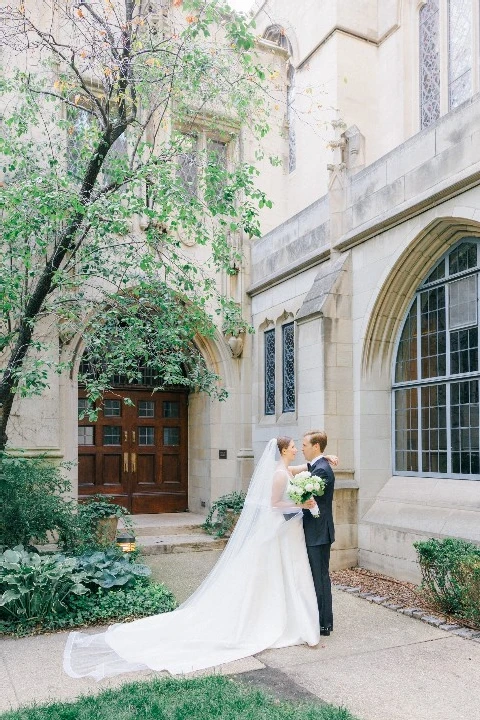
x=107 y=530
x=233 y=515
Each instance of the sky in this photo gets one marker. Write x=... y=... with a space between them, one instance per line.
x=241 y=4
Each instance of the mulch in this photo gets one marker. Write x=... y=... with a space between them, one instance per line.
x=398 y=592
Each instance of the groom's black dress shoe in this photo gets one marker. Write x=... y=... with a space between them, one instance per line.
x=324 y=632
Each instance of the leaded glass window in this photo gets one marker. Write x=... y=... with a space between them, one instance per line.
x=187 y=167
x=460 y=23
x=269 y=339
x=437 y=372
x=429 y=63
x=292 y=140
x=288 y=348
x=216 y=166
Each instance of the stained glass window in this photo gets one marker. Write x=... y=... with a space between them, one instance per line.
x=437 y=423
x=460 y=24
x=288 y=345
x=429 y=63
x=269 y=339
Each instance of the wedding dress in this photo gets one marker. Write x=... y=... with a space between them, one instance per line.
x=259 y=595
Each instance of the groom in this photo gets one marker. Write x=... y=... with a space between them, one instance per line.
x=320 y=531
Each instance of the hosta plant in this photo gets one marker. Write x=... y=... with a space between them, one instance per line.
x=109 y=569
x=33 y=586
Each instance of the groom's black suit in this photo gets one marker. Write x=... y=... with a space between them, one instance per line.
x=319 y=535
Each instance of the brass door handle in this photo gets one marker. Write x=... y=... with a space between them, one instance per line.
x=134 y=462
x=125 y=435
x=125 y=462
x=133 y=435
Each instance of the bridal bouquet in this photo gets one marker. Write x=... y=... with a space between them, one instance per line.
x=304 y=486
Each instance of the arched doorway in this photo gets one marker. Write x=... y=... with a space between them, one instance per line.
x=136 y=451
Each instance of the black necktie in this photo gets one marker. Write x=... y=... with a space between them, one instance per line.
x=309 y=467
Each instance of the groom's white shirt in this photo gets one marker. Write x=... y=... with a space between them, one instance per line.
x=312 y=462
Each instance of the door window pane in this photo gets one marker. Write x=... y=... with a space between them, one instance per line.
x=112 y=435
x=146 y=436
x=86 y=435
x=171 y=409
x=146 y=408
x=84 y=406
x=171 y=436
x=112 y=408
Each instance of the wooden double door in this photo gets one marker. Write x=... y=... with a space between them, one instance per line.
x=136 y=451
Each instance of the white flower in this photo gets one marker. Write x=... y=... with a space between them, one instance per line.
x=311 y=486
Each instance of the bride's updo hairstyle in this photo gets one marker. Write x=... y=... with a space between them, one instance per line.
x=283 y=443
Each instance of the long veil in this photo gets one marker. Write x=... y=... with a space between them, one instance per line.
x=222 y=620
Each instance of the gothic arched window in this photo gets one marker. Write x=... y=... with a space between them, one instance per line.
x=437 y=373
x=276 y=34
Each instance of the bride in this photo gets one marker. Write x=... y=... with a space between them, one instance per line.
x=259 y=595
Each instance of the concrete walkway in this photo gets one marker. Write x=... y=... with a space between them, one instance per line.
x=380 y=664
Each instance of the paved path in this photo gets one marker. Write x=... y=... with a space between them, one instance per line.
x=380 y=664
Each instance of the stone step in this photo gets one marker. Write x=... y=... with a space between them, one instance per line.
x=166 y=524
x=177 y=543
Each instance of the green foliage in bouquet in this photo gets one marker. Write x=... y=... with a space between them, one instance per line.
x=224 y=513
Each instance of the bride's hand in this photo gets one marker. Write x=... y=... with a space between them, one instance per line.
x=332 y=460
x=309 y=504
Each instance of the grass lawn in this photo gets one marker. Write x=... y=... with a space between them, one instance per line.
x=185 y=699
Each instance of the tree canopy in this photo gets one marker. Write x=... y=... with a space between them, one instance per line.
x=124 y=189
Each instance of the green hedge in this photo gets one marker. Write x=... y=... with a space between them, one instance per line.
x=451 y=576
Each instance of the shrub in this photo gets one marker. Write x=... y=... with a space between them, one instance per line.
x=219 y=520
x=110 y=568
x=33 y=587
x=31 y=502
x=469 y=578
x=138 y=601
x=450 y=568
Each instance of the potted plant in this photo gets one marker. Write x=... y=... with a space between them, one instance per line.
x=100 y=517
x=223 y=514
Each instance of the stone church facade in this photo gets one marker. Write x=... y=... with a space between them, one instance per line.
x=363 y=290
